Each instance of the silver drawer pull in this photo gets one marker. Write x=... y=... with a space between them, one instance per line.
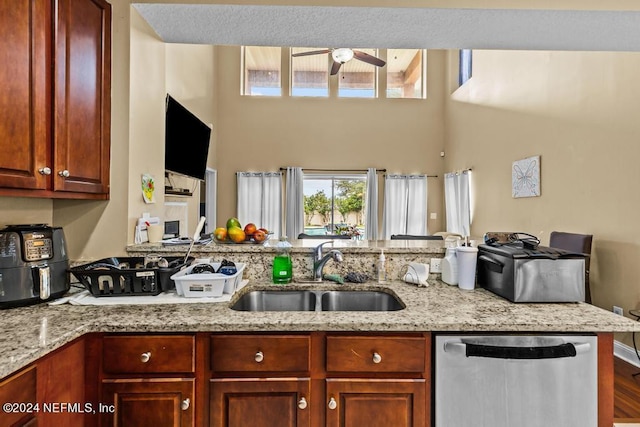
x=145 y=357
x=302 y=403
x=259 y=357
x=376 y=358
x=45 y=170
x=184 y=405
x=332 y=404
x=64 y=173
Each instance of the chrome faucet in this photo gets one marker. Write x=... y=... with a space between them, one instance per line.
x=319 y=261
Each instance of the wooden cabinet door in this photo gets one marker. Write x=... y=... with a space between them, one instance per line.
x=270 y=402
x=61 y=378
x=25 y=98
x=376 y=403
x=82 y=100
x=149 y=402
x=19 y=389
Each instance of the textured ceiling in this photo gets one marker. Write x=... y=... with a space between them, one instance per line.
x=383 y=27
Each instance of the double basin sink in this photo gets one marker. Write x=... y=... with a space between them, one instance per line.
x=317 y=300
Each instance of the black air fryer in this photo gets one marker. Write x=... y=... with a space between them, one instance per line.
x=33 y=264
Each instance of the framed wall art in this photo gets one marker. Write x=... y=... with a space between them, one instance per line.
x=525 y=177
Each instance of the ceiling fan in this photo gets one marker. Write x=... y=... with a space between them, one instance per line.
x=342 y=55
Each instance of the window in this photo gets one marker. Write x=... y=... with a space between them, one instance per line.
x=334 y=204
x=261 y=66
x=466 y=63
x=309 y=74
x=357 y=79
x=405 y=73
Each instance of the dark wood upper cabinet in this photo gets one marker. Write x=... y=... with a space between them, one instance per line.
x=25 y=98
x=55 y=106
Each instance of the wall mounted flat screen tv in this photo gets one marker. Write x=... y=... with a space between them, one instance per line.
x=186 y=141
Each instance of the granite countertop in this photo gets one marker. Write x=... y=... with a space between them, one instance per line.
x=302 y=246
x=29 y=333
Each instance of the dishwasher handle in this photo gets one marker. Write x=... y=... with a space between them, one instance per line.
x=523 y=353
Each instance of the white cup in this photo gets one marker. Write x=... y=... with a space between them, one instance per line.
x=467 y=258
x=155 y=233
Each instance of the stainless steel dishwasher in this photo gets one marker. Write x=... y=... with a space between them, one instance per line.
x=516 y=381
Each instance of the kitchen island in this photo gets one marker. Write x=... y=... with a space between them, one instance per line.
x=31 y=333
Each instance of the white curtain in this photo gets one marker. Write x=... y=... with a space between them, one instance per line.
x=405 y=205
x=457 y=202
x=371 y=205
x=260 y=199
x=294 y=217
x=211 y=189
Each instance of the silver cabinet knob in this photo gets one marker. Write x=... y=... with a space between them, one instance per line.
x=302 y=403
x=184 y=405
x=332 y=404
x=45 y=170
x=145 y=357
x=64 y=173
x=259 y=357
x=377 y=358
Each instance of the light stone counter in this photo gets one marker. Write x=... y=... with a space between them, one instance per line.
x=29 y=333
x=359 y=255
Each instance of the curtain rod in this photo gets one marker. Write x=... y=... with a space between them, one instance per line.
x=349 y=170
x=338 y=170
x=462 y=170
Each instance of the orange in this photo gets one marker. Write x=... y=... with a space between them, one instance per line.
x=220 y=233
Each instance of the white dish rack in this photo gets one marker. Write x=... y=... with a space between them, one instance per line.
x=207 y=284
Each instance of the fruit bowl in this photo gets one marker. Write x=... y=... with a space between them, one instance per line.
x=234 y=233
x=249 y=240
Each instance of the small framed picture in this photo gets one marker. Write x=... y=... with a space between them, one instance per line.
x=148 y=188
x=525 y=177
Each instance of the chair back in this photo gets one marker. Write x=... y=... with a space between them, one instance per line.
x=580 y=243
x=323 y=236
x=414 y=237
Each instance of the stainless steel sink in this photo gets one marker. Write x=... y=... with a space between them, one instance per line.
x=276 y=301
x=317 y=300
x=359 y=301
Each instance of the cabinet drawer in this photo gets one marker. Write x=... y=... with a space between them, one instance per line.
x=375 y=354
x=19 y=388
x=148 y=354
x=260 y=353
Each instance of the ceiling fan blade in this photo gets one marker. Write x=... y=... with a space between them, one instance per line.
x=312 y=52
x=335 y=68
x=365 y=57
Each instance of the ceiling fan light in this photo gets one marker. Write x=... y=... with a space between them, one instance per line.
x=342 y=55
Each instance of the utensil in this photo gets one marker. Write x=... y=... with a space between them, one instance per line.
x=196 y=235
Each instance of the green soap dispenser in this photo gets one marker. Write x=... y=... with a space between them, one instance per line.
x=282 y=267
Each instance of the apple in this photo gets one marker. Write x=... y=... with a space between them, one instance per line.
x=250 y=228
x=259 y=236
x=264 y=230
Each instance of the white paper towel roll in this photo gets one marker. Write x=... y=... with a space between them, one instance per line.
x=417 y=274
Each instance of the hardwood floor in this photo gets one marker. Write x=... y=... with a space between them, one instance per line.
x=626 y=392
